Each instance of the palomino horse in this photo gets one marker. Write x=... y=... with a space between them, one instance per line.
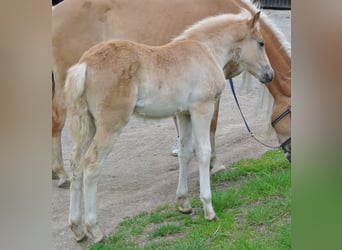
x=117 y=78
x=77 y=25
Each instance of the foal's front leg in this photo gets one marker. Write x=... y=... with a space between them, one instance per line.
x=184 y=157
x=200 y=117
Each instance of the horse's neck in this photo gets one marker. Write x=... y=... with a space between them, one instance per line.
x=280 y=59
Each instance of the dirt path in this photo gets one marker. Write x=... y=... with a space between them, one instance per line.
x=140 y=174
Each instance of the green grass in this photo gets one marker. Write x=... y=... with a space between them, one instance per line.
x=252 y=201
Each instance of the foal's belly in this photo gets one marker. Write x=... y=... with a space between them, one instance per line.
x=159 y=108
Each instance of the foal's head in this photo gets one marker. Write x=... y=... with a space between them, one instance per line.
x=249 y=52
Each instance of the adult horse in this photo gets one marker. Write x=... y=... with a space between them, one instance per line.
x=77 y=25
x=115 y=79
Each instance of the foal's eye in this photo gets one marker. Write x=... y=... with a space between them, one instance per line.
x=261 y=43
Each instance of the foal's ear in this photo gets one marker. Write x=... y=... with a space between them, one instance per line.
x=254 y=20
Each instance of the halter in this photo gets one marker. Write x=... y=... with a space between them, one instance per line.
x=286 y=145
x=281 y=116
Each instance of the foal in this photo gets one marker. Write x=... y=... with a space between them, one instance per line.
x=115 y=79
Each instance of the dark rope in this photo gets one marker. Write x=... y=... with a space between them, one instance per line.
x=243 y=117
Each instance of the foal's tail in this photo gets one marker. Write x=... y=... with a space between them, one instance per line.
x=80 y=121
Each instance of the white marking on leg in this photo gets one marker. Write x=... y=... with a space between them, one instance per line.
x=201 y=118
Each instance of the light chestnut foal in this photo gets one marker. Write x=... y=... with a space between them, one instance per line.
x=115 y=79
x=78 y=25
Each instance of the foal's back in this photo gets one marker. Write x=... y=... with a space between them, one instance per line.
x=158 y=81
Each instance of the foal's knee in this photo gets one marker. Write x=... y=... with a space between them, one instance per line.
x=203 y=154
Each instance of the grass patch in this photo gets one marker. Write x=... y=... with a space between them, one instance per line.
x=165 y=230
x=252 y=201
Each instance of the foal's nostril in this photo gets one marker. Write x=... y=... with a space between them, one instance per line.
x=269 y=76
x=267 y=73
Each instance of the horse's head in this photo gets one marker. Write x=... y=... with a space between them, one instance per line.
x=249 y=52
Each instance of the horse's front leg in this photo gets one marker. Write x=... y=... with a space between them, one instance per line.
x=215 y=167
x=200 y=117
x=184 y=157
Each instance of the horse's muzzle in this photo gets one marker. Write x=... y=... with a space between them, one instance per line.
x=267 y=74
x=286 y=146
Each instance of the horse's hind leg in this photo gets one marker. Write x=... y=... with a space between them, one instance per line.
x=58 y=119
x=184 y=157
x=215 y=167
x=200 y=117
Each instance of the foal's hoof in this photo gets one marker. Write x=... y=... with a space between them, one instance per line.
x=78 y=231
x=185 y=210
x=54 y=176
x=63 y=183
x=217 y=169
x=211 y=217
x=96 y=233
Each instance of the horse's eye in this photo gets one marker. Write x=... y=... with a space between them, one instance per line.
x=261 y=43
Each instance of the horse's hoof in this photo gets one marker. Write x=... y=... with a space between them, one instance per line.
x=96 y=233
x=64 y=183
x=217 y=169
x=79 y=234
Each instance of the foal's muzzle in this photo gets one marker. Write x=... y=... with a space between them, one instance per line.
x=266 y=74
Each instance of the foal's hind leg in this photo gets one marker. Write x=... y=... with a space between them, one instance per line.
x=81 y=145
x=95 y=156
x=201 y=116
x=215 y=167
x=184 y=157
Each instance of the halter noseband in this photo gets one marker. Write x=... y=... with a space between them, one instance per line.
x=281 y=116
x=286 y=145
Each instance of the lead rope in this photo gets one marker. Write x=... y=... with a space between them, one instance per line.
x=243 y=117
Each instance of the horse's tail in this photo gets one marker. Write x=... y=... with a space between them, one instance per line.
x=80 y=120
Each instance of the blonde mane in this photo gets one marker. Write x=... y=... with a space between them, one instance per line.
x=195 y=30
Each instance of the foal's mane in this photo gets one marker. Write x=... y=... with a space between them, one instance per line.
x=207 y=24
